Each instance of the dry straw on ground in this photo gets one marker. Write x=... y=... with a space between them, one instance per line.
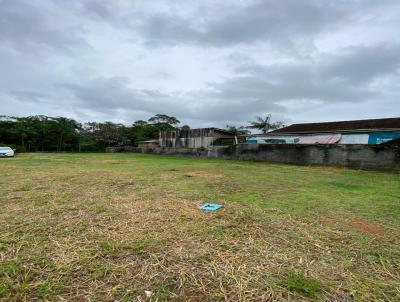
x=95 y=228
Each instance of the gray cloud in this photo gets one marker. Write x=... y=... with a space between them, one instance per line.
x=344 y=77
x=30 y=96
x=208 y=63
x=97 y=8
x=110 y=95
x=362 y=64
x=113 y=94
x=278 y=22
x=27 y=26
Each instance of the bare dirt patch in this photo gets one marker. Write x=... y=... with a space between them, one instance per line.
x=365 y=226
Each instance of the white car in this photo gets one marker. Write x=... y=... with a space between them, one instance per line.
x=6 y=152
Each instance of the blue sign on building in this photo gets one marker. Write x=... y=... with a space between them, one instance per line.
x=381 y=137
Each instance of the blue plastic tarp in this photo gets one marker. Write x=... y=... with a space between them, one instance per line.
x=210 y=207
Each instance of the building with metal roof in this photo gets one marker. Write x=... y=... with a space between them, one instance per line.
x=372 y=131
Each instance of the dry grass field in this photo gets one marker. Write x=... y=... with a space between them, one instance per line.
x=108 y=227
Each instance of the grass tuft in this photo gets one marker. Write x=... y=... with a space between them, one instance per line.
x=108 y=246
x=161 y=292
x=300 y=283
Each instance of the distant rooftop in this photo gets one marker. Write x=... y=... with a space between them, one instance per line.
x=201 y=130
x=385 y=124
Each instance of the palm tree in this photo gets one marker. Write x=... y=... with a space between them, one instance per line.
x=237 y=130
x=264 y=124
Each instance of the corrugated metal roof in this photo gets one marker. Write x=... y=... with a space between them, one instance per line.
x=386 y=124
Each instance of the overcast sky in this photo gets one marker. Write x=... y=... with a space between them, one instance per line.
x=209 y=63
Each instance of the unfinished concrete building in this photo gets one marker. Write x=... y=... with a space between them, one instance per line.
x=195 y=138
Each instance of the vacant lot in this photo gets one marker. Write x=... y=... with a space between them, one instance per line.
x=108 y=227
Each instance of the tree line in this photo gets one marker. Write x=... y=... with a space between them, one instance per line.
x=45 y=133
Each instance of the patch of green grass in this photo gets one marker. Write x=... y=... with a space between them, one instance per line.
x=224 y=230
x=139 y=247
x=300 y=283
x=130 y=295
x=108 y=246
x=25 y=187
x=48 y=289
x=161 y=292
x=11 y=268
x=14 y=280
x=346 y=186
x=100 y=208
x=6 y=291
x=6 y=241
x=98 y=270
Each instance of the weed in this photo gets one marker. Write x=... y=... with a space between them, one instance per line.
x=98 y=271
x=25 y=187
x=48 y=289
x=11 y=269
x=100 y=208
x=139 y=247
x=6 y=289
x=300 y=283
x=161 y=292
x=108 y=246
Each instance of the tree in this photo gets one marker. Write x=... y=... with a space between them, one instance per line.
x=34 y=133
x=8 y=133
x=107 y=134
x=237 y=130
x=264 y=124
x=139 y=123
x=164 y=119
x=66 y=130
x=45 y=133
x=185 y=127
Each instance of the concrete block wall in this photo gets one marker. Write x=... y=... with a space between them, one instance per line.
x=381 y=157
x=357 y=156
